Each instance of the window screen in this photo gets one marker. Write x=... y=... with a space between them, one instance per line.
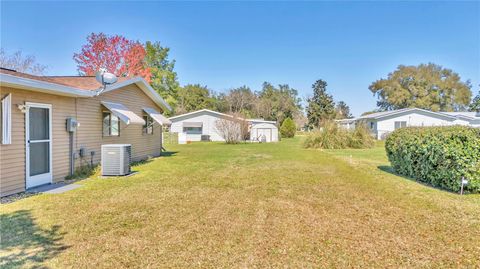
x=111 y=124
x=39 y=123
x=400 y=124
x=148 y=127
x=39 y=158
x=192 y=129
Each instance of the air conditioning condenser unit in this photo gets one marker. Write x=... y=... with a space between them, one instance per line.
x=116 y=159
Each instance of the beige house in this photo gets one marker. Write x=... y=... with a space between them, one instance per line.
x=36 y=146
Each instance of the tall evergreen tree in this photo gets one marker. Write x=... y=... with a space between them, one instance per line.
x=343 y=111
x=320 y=106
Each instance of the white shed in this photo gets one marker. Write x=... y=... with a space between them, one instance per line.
x=201 y=126
x=260 y=129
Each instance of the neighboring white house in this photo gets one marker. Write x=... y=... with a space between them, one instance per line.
x=201 y=126
x=383 y=123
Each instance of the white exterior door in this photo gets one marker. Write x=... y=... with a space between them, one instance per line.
x=264 y=132
x=38 y=132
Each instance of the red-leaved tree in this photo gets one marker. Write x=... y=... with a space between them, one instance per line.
x=123 y=57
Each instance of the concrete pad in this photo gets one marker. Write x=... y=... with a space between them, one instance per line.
x=54 y=188
x=127 y=175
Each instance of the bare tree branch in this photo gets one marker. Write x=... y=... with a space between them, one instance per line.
x=20 y=63
x=233 y=129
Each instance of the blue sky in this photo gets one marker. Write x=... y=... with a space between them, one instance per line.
x=229 y=44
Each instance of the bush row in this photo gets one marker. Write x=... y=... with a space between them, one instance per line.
x=439 y=156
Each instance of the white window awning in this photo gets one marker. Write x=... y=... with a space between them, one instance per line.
x=192 y=124
x=123 y=113
x=162 y=120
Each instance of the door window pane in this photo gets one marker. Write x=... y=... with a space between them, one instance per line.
x=39 y=122
x=39 y=158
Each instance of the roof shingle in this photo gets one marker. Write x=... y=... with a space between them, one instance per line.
x=79 y=82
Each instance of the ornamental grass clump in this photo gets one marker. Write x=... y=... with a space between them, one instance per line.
x=332 y=136
x=439 y=156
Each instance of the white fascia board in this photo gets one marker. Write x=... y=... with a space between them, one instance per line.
x=463 y=117
x=42 y=86
x=418 y=110
x=145 y=87
x=261 y=121
x=199 y=111
x=347 y=120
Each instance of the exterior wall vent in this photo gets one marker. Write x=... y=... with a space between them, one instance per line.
x=116 y=159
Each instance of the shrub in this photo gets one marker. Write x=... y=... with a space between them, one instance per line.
x=288 y=128
x=84 y=171
x=332 y=136
x=233 y=129
x=439 y=156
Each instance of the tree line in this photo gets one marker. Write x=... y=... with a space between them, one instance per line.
x=428 y=86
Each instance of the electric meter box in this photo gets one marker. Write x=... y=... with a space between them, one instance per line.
x=72 y=125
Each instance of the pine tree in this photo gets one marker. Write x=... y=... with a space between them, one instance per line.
x=321 y=106
x=342 y=111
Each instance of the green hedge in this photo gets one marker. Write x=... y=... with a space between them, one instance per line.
x=439 y=156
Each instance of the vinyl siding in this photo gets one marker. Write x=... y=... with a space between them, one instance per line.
x=90 y=135
x=88 y=112
x=386 y=125
x=208 y=121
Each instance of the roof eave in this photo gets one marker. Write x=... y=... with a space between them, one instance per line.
x=42 y=86
x=198 y=111
x=415 y=109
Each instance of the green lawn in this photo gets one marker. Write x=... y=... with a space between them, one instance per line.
x=248 y=205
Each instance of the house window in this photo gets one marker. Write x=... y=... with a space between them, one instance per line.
x=148 y=127
x=111 y=124
x=372 y=125
x=192 y=130
x=400 y=124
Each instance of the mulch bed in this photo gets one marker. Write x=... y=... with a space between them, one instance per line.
x=15 y=197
